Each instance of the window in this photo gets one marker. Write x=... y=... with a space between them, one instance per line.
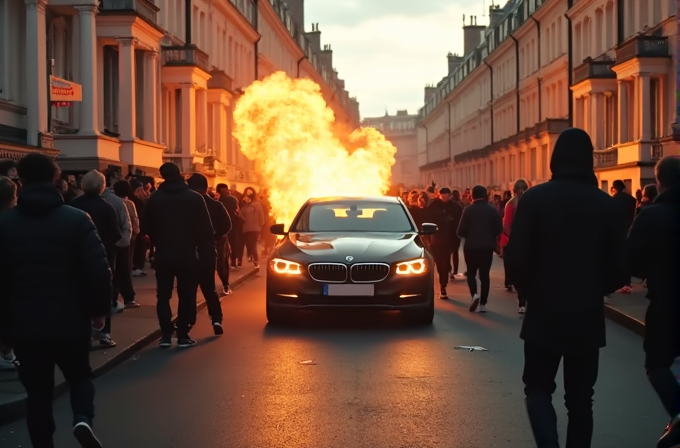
x=353 y=216
x=111 y=89
x=605 y=186
x=610 y=122
x=522 y=164
x=59 y=50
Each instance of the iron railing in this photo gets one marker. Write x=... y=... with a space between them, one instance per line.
x=187 y=55
x=642 y=47
x=606 y=158
x=594 y=69
x=146 y=9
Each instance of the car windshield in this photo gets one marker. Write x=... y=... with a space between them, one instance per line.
x=353 y=217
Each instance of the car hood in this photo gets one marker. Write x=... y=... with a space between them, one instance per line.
x=362 y=247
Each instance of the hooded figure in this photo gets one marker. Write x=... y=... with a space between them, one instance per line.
x=559 y=225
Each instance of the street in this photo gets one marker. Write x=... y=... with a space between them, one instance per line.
x=373 y=382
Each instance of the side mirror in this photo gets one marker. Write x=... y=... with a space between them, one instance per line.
x=277 y=229
x=428 y=229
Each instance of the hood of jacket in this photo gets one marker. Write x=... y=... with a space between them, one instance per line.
x=38 y=200
x=174 y=186
x=572 y=158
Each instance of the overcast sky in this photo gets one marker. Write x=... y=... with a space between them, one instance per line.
x=388 y=50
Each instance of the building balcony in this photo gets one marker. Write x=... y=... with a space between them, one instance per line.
x=594 y=70
x=186 y=56
x=145 y=9
x=606 y=158
x=220 y=80
x=642 y=47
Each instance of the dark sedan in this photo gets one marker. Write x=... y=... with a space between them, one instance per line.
x=352 y=253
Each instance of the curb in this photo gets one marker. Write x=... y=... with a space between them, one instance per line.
x=16 y=410
x=624 y=320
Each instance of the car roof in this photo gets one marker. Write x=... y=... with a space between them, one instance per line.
x=383 y=199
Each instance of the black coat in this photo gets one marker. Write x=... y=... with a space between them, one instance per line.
x=218 y=216
x=480 y=225
x=104 y=217
x=177 y=221
x=55 y=272
x=566 y=251
x=625 y=205
x=231 y=205
x=447 y=217
x=654 y=254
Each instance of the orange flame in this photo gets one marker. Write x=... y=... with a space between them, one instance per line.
x=285 y=126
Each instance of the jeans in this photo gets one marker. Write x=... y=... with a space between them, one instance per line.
x=122 y=277
x=442 y=260
x=37 y=358
x=251 y=239
x=223 y=261
x=206 y=282
x=479 y=260
x=580 y=374
x=187 y=275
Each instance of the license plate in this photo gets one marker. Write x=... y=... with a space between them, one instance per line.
x=349 y=290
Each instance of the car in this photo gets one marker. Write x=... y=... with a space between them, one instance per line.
x=363 y=253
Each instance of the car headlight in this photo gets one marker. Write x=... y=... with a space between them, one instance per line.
x=413 y=267
x=286 y=267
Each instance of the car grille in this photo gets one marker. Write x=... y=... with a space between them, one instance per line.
x=328 y=272
x=369 y=272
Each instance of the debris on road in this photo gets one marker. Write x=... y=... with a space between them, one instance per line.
x=307 y=362
x=471 y=348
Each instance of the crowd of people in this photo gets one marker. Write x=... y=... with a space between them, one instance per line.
x=70 y=247
x=546 y=233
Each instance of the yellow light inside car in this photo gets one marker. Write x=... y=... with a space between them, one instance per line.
x=286 y=267
x=413 y=267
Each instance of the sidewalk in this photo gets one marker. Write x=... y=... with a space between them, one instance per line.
x=132 y=329
x=628 y=310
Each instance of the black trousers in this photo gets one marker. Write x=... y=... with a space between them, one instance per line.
x=37 y=358
x=479 y=261
x=206 y=281
x=660 y=355
x=236 y=244
x=442 y=260
x=139 y=253
x=223 y=261
x=580 y=374
x=187 y=275
x=122 y=276
x=455 y=256
x=251 y=239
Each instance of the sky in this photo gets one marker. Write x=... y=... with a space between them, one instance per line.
x=388 y=50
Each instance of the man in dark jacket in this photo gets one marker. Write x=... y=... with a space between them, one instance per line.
x=140 y=245
x=222 y=225
x=480 y=226
x=558 y=225
x=57 y=286
x=455 y=249
x=445 y=214
x=226 y=248
x=106 y=221
x=177 y=221
x=625 y=205
x=654 y=254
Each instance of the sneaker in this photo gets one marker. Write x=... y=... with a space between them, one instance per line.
x=475 y=303
x=482 y=308
x=132 y=304
x=117 y=308
x=165 y=342
x=521 y=310
x=106 y=341
x=443 y=294
x=217 y=328
x=138 y=273
x=8 y=362
x=625 y=290
x=226 y=291
x=256 y=265
x=185 y=342
x=85 y=436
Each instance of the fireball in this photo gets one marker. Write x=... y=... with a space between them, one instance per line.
x=286 y=128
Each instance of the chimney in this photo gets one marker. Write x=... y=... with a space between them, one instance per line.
x=314 y=37
x=326 y=57
x=296 y=9
x=495 y=15
x=472 y=35
x=402 y=113
x=429 y=92
x=454 y=61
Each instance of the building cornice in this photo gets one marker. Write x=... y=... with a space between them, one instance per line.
x=499 y=51
x=546 y=8
x=269 y=14
x=234 y=16
x=578 y=8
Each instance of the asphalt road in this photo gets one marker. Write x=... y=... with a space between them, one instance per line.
x=375 y=382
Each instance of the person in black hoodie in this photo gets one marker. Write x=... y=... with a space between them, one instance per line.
x=226 y=248
x=560 y=224
x=625 y=205
x=445 y=214
x=222 y=225
x=654 y=254
x=57 y=286
x=480 y=226
x=178 y=223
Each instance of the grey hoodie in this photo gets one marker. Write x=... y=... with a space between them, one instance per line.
x=122 y=214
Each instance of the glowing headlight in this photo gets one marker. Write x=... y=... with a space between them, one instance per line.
x=285 y=267
x=413 y=267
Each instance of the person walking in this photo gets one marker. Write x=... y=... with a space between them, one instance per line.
x=123 y=271
x=207 y=266
x=105 y=220
x=626 y=205
x=653 y=244
x=125 y=226
x=479 y=226
x=444 y=214
x=48 y=318
x=178 y=224
x=455 y=239
x=558 y=225
x=226 y=248
x=519 y=188
x=253 y=221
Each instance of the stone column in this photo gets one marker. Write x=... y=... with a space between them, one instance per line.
x=188 y=119
x=597 y=122
x=127 y=116
x=644 y=110
x=150 y=95
x=89 y=110
x=37 y=98
x=202 y=119
x=623 y=112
